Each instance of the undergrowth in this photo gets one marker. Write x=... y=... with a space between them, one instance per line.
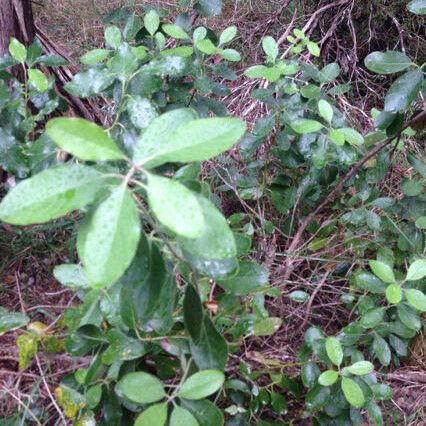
x=277 y=281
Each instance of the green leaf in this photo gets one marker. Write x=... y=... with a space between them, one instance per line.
x=17 y=50
x=352 y=136
x=90 y=82
x=330 y=72
x=411 y=187
x=270 y=47
x=372 y=318
x=211 y=349
x=11 y=320
x=83 y=139
x=337 y=137
x=50 y=194
x=353 y=392
x=421 y=222
x=156 y=415
x=304 y=126
x=360 y=368
x=404 y=91
x=328 y=378
x=141 y=112
x=214 y=252
x=250 y=276
x=325 y=110
x=38 y=80
x=94 y=56
x=416 y=299
x=417 y=6
x=204 y=411
x=382 y=271
x=113 y=36
x=208 y=8
x=175 y=206
x=267 y=326
x=182 y=417
x=175 y=31
x=202 y=384
x=151 y=21
x=142 y=388
x=370 y=282
x=309 y=374
x=317 y=397
x=206 y=46
x=108 y=242
x=197 y=140
x=381 y=350
x=200 y=33
x=375 y=413
x=334 y=350
x=71 y=275
x=279 y=403
x=261 y=71
x=417 y=270
x=156 y=137
x=313 y=48
x=388 y=62
x=394 y=293
x=409 y=317
x=228 y=34
x=230 y=55
x=193 y=313
x=299 y=296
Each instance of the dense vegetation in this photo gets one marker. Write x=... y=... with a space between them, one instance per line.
x=168 y=201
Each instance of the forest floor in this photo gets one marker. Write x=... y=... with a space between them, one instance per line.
x=27 y=284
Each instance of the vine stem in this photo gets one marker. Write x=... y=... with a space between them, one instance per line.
x=289 y=265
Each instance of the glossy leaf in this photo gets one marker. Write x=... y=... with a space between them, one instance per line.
x=156 y=415
x=250 y=276
x=382 y=271
x=388 y=62
x=214 y=252
x=83 y=139
x=17 y=50
x=38 y=80
x=196 y=140
x=353 y=392
x=209 y=7
x=206 y=413
x=141 y=387
x=372 y=318
x=352 y=136
x=325 y=110
x=309 y=374
x=381 y=350
x=328 y=378
x=228 y=34
x=394 y=293
x=334 y=350
x=50 y=194
x=370 y=282
x=417 y=270
x=113 y=36
x=175 y=31
x=360 y=368
x=151 y=21
x=202 y=384
x=417 y=6
x=304 y=126
x=108 y=242
x=267 y=326
x=416 y=299
x=193 y=313
x=270 y=47
x=175 y=206
x=182 y=417
x=211 y=349
x=94 y=56
x=408 y=317
x=11 y=320
x=404 y=91
x=157 y=135
x=71 y=275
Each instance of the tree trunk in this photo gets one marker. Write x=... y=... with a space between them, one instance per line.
x=16 y=20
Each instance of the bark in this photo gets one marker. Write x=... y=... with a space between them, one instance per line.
x=16 y=20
